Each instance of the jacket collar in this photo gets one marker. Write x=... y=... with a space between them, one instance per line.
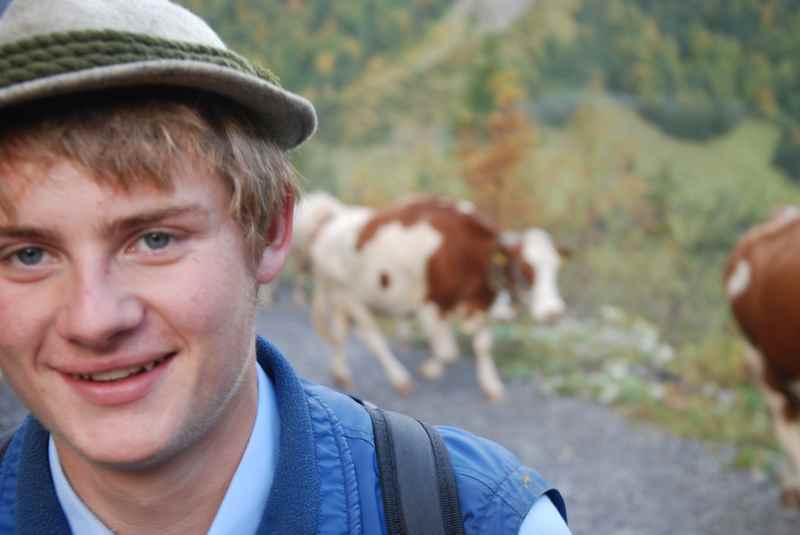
x=293 y=503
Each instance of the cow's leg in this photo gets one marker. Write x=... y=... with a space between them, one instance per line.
x=369 y=332
x=444 y=349
x=330 y=321
x=786 y=423
x=299 y=290
x=787 y=429
x=404 y=332
x=340 y=369
x=488 y=377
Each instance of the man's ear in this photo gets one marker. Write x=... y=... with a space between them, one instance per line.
x=278 y=240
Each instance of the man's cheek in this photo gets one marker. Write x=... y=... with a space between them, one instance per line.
x=11 y=353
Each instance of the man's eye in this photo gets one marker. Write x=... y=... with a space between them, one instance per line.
x=156 y=240
x=30 y=256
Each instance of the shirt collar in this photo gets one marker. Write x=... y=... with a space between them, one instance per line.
x=245 y=500
x=80 y=518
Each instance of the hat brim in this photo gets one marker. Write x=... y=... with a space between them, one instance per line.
x=289 y=118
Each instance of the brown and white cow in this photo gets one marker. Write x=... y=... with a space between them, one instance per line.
x=314 y=210
x=762 y=280
x=436 y=260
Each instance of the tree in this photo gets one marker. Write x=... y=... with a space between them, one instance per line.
x=495 y=138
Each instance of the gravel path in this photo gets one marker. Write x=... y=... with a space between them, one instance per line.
x=618 y=477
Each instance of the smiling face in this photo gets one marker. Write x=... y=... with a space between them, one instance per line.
x=128 y=317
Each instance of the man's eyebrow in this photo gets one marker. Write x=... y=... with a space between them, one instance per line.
x=147 y=218
x=121 y=225
x=28 y=233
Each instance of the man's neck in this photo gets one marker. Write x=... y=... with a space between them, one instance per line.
x=181 y=495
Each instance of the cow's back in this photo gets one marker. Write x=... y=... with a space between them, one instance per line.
x=443 y=247
x=764 y=290
x=333 y=249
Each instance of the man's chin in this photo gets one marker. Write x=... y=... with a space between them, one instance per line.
x=127 y=454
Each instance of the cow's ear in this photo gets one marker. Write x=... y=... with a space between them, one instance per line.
x=564 y=252
x=278 y=240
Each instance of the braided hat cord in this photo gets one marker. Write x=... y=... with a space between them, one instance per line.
x=60 y=53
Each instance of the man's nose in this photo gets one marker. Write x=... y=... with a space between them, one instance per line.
x=97 y=310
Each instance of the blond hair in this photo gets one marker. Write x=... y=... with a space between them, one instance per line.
x=129 y=137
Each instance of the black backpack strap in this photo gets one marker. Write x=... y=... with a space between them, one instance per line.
x=420 y=496
x=448 y=491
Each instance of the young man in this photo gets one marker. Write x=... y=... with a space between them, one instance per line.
x=144 y=197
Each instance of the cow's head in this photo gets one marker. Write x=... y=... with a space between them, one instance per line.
x=531 y=272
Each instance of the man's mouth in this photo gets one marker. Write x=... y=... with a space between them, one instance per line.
x=122 y=373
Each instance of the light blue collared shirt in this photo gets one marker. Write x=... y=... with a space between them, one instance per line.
x=543 y=519
x=244 y=502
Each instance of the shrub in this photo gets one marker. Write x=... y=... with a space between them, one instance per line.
x=556 y=110
x=787 y=153
x=696 y=121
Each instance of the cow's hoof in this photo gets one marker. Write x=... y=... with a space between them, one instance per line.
x=404 y=388
x=431 y=369
x=449 y=357
x=790 y=497
x=343 y=382
x=495 y=394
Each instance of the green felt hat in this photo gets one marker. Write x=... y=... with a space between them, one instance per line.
x=57 y=47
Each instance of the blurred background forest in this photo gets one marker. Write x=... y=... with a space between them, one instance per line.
x=646 y=135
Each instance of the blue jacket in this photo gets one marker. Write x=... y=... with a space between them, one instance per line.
x=326 y=481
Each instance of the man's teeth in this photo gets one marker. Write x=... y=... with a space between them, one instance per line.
x=116 y=375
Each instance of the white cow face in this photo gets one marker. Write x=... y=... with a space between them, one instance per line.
x=540 y=258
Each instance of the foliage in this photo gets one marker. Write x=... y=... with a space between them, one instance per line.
x=318 y=47
x=695 y=69
x=494 y=138
x=557 y=110
x=787 y=154
x=696 y=121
